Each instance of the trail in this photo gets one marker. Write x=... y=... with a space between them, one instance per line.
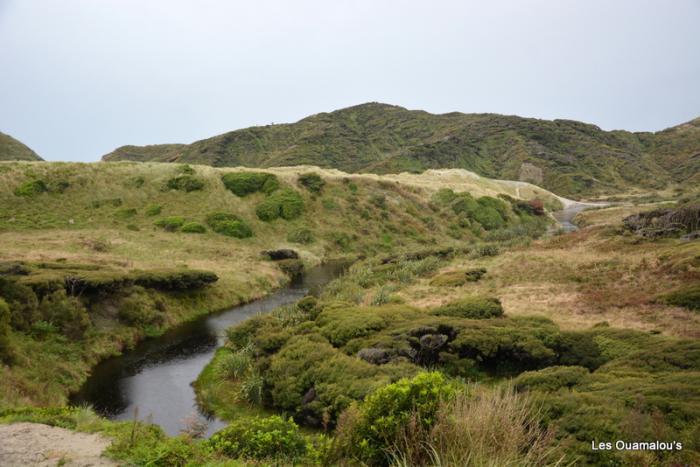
x=34 y=444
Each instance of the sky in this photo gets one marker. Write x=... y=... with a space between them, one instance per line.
x=78 y=78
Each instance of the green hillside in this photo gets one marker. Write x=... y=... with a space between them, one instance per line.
x=13 y=150
x=564 y=156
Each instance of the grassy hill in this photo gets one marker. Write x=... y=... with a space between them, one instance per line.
x=568 y=157
x=13 y=150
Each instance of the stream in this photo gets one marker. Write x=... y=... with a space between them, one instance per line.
x=153 y=381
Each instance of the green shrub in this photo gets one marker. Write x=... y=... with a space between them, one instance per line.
x=186 y=183
x=287 y=204
x=457 y=278
x=302 y=236
x=186 y=169
x=471 y=308
x=687 y=297
x=23 y=303
x=193 y=227
x=125 y=213
x=443 y=197
x=228 y=224
x=139 y=309
x=312 y=182
x=153 y=210
x=291 y=267
x=385 y=413
x=170 y=224
x=31 y=188
x=260 y=438
x=551 y=378
x=6 y=352
x=245 y=183
x=66 y=313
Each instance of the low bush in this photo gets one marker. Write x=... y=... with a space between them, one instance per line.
x=312 y=182
x=302 y=236
x=471 y=308
x=551 y=378
x=457 y=278
x=174 y=280
x=66 y=313
x=193 y=227
x=125 y=213
x=370 y=434
x=245 y=183
x=6 y=352
x=31 y=188
x=139 y=309
x=687 y=297
x=153 y=210
x=228 y=224
x=186 y=183
x=23 y=303
x=291 y=267
x=170 y=224
x=287 y=204
x=260 y=438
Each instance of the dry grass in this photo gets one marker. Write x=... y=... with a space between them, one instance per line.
x=484 y=426
x=581 y=279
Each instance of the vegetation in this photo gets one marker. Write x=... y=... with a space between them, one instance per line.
x=13 y=150
x=312 y=182
x=246 y=183
x=568 y=157
x=287 y=204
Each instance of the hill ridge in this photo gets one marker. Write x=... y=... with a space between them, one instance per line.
x=565 y=156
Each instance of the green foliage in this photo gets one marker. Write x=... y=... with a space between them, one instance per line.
x=170 y=224
x=23 y=303
x=245 y=183
x=193 y=227
x=302 y=236
x=687 y=297
x=153 y=210
x=234 y=365
x=31 y=188
x=139 y=309
x=125 y=213
x=66 y=313
x=386 y=412
x=551 y=378
x=458 y=278
x=6 y=352
x=312 y=182
x=472 y=308
x=260 y=438
x=287 y=204
x=229 y=224
x=186 y=183
x=443 y=197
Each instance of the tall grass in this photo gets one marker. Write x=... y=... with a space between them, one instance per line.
x=480 y=427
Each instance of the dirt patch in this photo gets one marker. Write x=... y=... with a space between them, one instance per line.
x=33 y=444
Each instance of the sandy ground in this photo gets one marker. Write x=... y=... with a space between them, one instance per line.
x=33 y=444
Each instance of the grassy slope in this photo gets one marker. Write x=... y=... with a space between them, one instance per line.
x=95 y=215
x=13 y=150
x=568 y=157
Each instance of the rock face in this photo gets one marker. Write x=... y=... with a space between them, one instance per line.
x=669 y=222
x=277 y=255
x=34 y=444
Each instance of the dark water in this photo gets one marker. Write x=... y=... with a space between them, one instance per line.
x=156 y=376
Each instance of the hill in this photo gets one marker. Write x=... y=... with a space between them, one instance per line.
x=568 y=157
x=13 y=150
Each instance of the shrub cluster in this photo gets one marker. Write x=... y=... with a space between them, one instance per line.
x=186 y=183
x=471 y=308
x=245 y=183
x=302 y=236
x=687 y=297
x=312 y=182
x=287 y=204
x=457 y=278
x=260 y=438
x=170 y=224
x=228 y=224
x=31 y=188
x=193 y=227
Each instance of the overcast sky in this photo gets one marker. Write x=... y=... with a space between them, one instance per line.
x=79 y=78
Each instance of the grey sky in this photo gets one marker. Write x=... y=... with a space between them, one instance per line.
x=80 y=77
